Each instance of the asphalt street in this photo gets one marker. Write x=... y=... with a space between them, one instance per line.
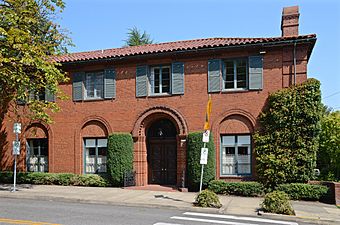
x=42 y=212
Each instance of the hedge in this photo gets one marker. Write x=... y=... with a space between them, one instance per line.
x=287 y=142
x=119 y=157
x=236 y=188
x=298 y=191
x=193 y=161
x=93 y=180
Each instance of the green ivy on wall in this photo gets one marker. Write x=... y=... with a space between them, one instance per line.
x=287 y=142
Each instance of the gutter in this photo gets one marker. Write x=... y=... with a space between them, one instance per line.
x=270 y=44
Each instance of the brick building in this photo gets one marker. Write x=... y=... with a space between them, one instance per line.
x=158 y=93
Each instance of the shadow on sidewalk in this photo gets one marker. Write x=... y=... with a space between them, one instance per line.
x=167 y=198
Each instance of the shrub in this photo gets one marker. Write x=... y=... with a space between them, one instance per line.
x=193 y=161
x=207 y=199
x=236 y=188
x=304 y=191
x=277 y=202
x=119 y=157
x=91 y=180
x=55 y=179
x=287 y=143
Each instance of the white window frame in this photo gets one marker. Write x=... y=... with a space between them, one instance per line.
x=152 y=83
x=236 y=146
x=94 y=85
x=96 y=168
x=224 y=74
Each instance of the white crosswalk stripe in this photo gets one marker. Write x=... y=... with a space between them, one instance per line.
x=240 y=218
x=223 y=219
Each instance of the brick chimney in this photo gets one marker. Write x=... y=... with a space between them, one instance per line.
x=290 y=21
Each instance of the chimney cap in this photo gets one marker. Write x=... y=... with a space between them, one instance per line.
x=290 y=10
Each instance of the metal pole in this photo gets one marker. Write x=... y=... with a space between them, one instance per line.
x=202 y=173
x=15 y=166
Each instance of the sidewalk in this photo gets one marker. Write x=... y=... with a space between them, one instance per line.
x=310 y=211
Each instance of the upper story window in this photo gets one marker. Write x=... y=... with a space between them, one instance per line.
x=235 y=74
x=160 y=80
x=94 y=85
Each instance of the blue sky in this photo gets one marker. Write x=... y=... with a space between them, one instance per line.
x=101 y=24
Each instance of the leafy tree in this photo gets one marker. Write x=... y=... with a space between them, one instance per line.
x=28 y=38
x=329 y=146
x=287 y=143
x=136 y=37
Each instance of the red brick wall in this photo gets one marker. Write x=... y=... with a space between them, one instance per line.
x=232 y=112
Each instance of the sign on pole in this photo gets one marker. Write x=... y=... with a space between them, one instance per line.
x=16 y=147
x=204 y=156
x=17 y=128
x=206 y=135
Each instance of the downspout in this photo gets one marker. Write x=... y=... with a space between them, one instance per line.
x=294 y=60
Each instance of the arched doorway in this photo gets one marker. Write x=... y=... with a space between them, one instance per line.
x=162 y=152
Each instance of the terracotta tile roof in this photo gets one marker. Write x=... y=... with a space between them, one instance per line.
x=170 y=47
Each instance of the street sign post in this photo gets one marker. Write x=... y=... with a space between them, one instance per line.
x=204 y=154
x=16 y=151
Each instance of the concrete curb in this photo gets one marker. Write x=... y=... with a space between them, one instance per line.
x=296 y=218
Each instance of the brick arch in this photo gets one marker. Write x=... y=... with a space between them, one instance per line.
x=38 y=130
x=148 y=116
x=235 y=114
x=143 y=122
x=95 y=125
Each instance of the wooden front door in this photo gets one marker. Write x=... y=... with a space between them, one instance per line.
x=162 y=159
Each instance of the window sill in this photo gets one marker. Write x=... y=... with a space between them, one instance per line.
x=234 y=90
x=159 y=95
x=235 y=176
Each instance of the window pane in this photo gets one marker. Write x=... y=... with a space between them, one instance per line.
x=230 y=150
x=243 y=140
x=89 y=85
x=92 y=151
x=228 y=140
x=99 y=84
x=229 y=74
x=165 y=80
x=102 y=142
x=242 y=150
x=90 y=143
x=102 y=151
x=241 y=73
x=156 y=80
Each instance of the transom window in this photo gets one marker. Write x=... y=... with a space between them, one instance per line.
x=94 y=85
x=235 y=74
x=95 y=155
x=37 y=155
x=235 y=155
x=160 y=79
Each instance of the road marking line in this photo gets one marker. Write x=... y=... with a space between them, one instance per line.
x=167 y=224
x=240 y=218
x=28 y=222
x=209 y=221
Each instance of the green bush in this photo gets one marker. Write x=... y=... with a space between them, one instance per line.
x=193 y=161
x=236 y=188
x=119 y=157
x=277 y=202
x=207 y=199
x=55 y=179
x=304 y=191
x=90 y=180
x=287 y=141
